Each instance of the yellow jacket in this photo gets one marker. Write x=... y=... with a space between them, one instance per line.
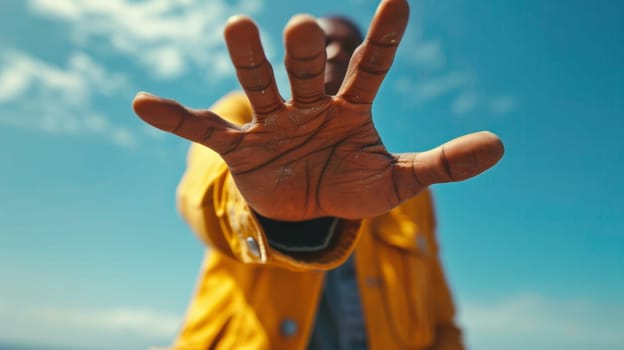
x=250 y=296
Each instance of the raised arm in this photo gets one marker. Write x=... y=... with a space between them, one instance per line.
x=318 y=155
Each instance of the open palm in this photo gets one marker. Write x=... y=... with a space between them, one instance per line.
x=318 y=155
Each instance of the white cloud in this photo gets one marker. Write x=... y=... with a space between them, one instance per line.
x=167 y=61
x=37 y=95
x=502 y=105
x=102 y=81
x=434 y=75
x=535 y=322
x=425 y=55
x=465 y=102
x=118 y=328
x=462 y=84
x=74 y=84
x=165 y=36
x=435 y=87
x=138 y=321
x=13 y=83
x=123 y=137
x=519 y=322
x=431 y=88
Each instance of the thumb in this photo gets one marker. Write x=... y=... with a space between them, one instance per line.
x=456 y=160
x=201 y=126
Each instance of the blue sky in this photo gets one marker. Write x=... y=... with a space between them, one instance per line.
x=94 y=256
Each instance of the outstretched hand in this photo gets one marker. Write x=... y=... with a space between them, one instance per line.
x=318 y=155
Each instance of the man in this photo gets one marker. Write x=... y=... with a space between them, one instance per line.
x=288 y=190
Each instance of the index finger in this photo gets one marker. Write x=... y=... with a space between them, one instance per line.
x=253 y=70
x=372 y=60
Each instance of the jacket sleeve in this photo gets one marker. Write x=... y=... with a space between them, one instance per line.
x=210 y=202
x=448 y=335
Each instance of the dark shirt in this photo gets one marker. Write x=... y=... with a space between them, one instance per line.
x=340 y=319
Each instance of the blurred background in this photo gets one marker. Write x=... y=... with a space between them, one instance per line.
x=94 y=256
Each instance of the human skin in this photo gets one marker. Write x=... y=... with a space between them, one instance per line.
x=319 y=154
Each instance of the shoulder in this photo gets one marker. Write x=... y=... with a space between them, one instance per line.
x=234 y=107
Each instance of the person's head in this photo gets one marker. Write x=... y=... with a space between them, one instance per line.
x=342 y=37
